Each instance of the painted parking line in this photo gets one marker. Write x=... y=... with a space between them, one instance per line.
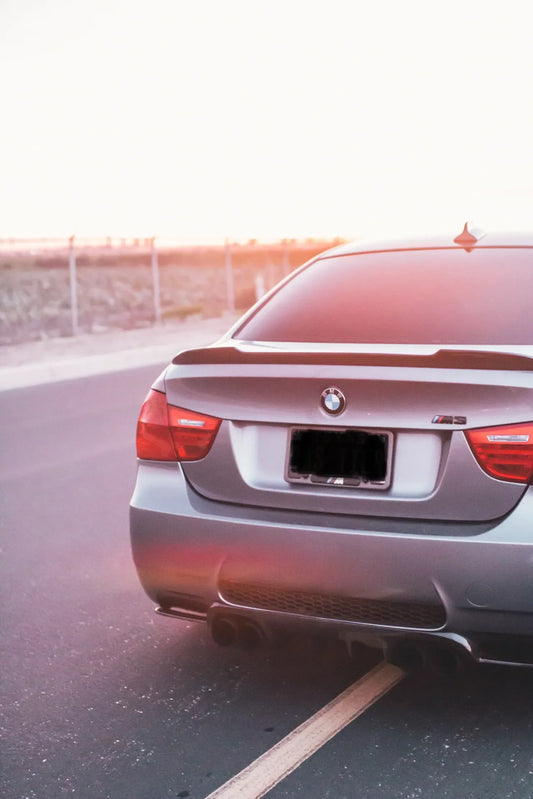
x=273 y=766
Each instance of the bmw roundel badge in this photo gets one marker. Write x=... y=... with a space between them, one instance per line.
x=333 y=400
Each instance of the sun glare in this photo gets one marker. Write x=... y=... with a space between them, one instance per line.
x=201 y=121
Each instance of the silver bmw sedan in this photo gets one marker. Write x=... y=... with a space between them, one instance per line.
x=355 y=455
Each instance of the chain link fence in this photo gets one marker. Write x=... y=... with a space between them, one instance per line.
x=54 y=287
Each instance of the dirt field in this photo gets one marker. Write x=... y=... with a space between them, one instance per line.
x=115 y=289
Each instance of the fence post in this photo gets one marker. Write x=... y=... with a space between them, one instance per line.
x=230 y=290
x=259 y=283
x=155 y=278
x=73 y=286
x=286 y=266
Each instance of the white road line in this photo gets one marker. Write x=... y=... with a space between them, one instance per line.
x=273 y=766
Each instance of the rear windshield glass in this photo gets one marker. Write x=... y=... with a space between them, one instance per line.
x=420 y=297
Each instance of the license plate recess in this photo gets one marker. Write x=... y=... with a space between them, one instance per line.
x=346 y=458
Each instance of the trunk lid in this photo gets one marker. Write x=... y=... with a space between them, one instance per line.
x=266 y=395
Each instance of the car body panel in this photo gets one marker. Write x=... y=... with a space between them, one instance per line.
x=185 y=545
x=247 y=461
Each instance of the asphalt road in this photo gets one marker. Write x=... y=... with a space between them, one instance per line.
x=101 y=698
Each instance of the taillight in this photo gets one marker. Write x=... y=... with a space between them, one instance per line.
x=504 y=452
x=168 y=433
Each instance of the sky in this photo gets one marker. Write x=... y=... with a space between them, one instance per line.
x=206 y=119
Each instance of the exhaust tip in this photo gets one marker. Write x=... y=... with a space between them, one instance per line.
x=442 y=661
x=231 y=630
x=225 y=631
x=406 y=655
x=251 y=636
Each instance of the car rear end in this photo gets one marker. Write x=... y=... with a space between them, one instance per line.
x=356 y=455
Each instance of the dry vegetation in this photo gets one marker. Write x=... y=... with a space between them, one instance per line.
x=115 y=288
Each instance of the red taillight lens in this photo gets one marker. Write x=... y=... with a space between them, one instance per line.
x=168 y=433
x=504 y=452
x=192 y=433
x=154 y=441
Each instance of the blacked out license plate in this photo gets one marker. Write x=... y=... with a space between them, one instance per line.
x=348 y=458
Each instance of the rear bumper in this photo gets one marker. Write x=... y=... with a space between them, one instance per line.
x=369 y=578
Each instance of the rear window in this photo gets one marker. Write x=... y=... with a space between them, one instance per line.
x=419 y=297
